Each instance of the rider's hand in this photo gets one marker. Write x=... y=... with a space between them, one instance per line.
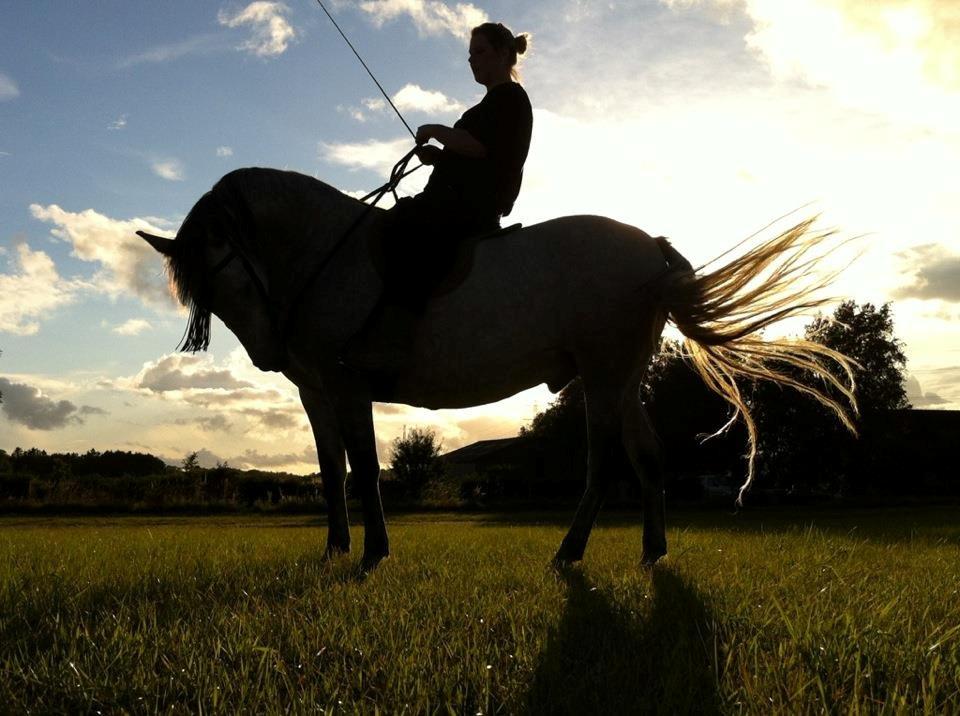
x=425 y=132
x=428 y=154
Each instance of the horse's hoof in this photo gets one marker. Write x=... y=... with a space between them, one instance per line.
x=371 y=562
x=334 y=552
x=651 y=558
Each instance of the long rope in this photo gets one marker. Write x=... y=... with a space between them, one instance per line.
x=382 y=91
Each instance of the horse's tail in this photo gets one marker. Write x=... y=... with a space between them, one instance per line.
x=721 y=312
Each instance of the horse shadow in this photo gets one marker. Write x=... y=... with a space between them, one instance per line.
x=629 y=656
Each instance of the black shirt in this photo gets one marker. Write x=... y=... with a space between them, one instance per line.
x=488 y=186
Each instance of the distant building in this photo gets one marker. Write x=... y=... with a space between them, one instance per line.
x=517 y=467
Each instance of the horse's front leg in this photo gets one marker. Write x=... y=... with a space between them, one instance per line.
x=333 y=469
x=356 y=418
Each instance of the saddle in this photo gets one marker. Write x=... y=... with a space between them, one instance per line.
x=463 y=262
x=458 y=269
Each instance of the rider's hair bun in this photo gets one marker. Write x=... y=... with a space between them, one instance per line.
x=520 y=42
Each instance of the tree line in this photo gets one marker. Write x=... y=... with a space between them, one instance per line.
x=134 y=480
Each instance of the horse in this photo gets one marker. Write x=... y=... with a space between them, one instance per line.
x=291 y=266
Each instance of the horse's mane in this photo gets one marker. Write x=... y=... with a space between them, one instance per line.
x=226 y=208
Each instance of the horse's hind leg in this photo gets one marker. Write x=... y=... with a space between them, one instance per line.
x=333 y=468
x=603 y=443
x=643 y=448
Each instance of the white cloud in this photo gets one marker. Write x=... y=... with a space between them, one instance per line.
x=33 y=291
x=182 y=371
x=196 y=45
x=431 y=17
x=129 y=264
x=224 y=151
x=8 y=88
x=132 y=327
x=356 y=114
x=375 y=155
x=917 y=396
x=410 y=98
x=899 y=57
x=252 y=459
x=169 y=169
x=119 y=123
x=416 y=99
x=271 y=33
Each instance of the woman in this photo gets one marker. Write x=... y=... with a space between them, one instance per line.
x=476 y=175
x=476 y=179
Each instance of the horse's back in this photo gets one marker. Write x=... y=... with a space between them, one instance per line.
x=586 y=258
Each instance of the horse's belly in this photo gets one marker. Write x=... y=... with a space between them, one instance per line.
x=439 y=383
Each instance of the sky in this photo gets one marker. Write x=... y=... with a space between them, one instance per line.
x=701 y=120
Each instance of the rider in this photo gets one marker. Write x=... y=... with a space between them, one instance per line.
x=475 y=180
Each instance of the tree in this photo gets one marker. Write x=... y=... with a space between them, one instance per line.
x=866 y=335
x=802 y=446
x=415 y=460
x=191 y=463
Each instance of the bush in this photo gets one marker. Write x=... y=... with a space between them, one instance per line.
x=415 y=460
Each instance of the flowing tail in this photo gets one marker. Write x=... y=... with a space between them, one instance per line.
x=720 y=314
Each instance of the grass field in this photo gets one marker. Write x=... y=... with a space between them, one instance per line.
x=761 y=612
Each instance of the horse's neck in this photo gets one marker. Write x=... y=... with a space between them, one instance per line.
x=301 y=227
x=304 y=225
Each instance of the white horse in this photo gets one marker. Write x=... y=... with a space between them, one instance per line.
x=290 y=266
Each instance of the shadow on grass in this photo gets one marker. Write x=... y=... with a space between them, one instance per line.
x=613 y=656
x=929 y=524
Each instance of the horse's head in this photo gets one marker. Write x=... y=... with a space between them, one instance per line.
x=214 y=272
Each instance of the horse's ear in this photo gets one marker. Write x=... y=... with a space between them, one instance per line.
x=164 y=246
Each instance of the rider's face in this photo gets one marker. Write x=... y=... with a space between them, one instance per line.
x=487 y=64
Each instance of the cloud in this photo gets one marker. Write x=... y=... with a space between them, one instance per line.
x=224 y=151
x=132 y=327
x=169 y=169
x=239 y=396
x=416 y=99
x=941 y=385
x=431 y=17
x=936 y=274
x=916 y=396
x=287 y=418
x=378 y=156
x=119 y=123
x=8 y=88
x=130 y=266
x=28 y=406
x=178 y=371
x=196 y=45
x=33 y=291
x=255 y=459
x=410 y=98
x=899 y=57
x=213 y=423
x=271 y=33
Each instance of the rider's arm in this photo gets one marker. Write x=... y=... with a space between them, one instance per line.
x=458 y=141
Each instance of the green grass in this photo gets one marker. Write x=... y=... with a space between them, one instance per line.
x=757 y=613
